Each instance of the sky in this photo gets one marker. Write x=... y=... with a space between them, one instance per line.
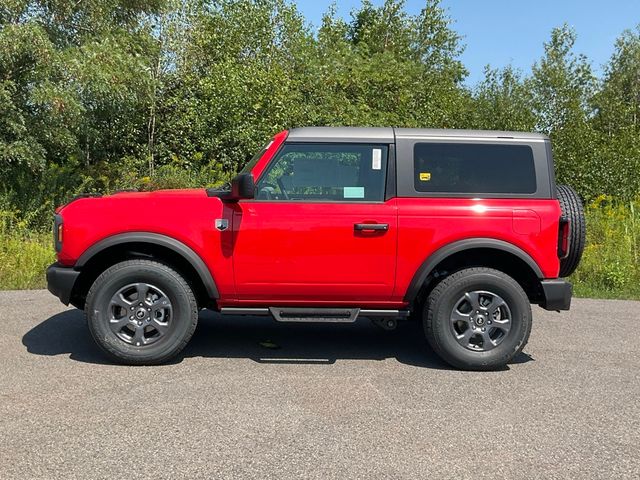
x=503 y=32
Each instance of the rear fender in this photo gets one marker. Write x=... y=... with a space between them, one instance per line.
x=441 y=254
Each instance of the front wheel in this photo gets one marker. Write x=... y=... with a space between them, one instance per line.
x=477 y=319
x=141 y=312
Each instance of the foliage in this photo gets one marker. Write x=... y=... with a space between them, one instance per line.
x=610 y=266
x=97 y=95
x=617 y=118
x=24 y=255
x=503 y=102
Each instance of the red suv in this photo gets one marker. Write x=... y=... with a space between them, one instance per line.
x=461 y=229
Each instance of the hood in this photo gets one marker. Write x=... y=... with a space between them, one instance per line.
x=97 y=198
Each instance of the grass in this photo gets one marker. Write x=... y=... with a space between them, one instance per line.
x=24 y=255
x=610 y=266
x=23 y=260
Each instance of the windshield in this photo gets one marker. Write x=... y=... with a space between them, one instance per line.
x=252 y=163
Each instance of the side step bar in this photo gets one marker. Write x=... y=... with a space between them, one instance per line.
x=320 y=315
x=325 y=315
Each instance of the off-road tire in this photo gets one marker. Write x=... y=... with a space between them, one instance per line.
x=184 y=316
x=571 y=207
x=441 y=302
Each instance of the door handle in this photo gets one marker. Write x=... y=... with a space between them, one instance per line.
x=370 y=226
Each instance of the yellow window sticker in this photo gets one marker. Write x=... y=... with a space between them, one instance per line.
x=425 y=176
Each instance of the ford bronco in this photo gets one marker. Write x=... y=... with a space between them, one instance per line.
x=462 y=230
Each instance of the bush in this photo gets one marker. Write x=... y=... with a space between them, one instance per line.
x=610 y=266
x=24 y=255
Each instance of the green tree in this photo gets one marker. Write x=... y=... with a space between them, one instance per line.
x=386 y=67
x=617 y=118
x=502 y=101
x=74 y=88
x=562 y=86
x=239 y=79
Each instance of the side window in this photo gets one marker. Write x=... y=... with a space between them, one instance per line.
x=323 y=172
x=473 y=168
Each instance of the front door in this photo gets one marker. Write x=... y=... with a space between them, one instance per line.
x=319 y=229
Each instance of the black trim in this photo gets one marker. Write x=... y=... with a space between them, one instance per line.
x=405 y=166
x=552 y=171
x=223 y=195
x=61 y=280
x=363 y=227
x=155 y=239
x=439 y=255
x=562 y=251
x=390 y=181
x=243 y=187
x=312 y=314
x=557 y=294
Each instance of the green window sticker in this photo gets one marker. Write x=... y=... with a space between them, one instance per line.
x=353 y=192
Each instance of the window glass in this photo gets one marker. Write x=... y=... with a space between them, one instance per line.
x=474 y=168
x=322 y=172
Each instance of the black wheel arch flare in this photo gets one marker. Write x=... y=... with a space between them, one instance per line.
x=186 y=252
x=430 y=263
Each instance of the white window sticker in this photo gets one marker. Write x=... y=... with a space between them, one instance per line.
x=376 y=159
x=353 y=192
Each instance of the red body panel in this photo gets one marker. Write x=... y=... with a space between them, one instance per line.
x=291 y=253
x=274 y=146
x=186 y=215
x=428 y=224
x=310 y=251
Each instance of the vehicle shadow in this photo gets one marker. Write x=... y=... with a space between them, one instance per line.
x=257 y=338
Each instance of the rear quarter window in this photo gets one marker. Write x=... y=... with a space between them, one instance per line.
x=467 y=168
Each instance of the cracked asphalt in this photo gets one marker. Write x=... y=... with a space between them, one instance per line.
x=333 y=401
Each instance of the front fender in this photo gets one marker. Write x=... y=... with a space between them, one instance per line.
x=160 y=240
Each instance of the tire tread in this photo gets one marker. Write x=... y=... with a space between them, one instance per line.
x=117 y=355
x=571 y=207
x=431 y=325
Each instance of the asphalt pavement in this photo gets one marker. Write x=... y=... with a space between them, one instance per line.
x=331 y=401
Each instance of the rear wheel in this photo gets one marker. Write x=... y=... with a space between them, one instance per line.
x=141 y=312
x=477 y=319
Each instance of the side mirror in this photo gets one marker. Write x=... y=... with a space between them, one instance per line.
x=242 y=186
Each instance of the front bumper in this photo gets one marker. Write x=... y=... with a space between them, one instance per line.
x=557 y=294
x=61 y=280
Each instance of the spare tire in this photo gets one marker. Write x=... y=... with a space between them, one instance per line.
x=572 y=209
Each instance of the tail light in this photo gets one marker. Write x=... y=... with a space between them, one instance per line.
x=57 y=231
x=563 y=237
